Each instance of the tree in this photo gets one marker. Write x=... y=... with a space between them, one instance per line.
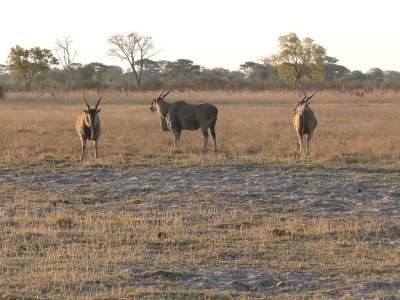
x=268 y=68
x=376 y=74
x=90 y=75
x=356 y=76
x=392 y=75
x=164 y=71
x=4 y=73
x=133 y=48
x=151 y=69
x=219 y=73
x=3 y=77
x=182 y=68
x=3 y=69
x=112 y=75
x=28 y=63
x=66 y=57
x=298 y=59
x=334 y=71
x=251 y=70
x=257 y=71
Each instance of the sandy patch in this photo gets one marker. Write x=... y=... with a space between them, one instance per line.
x=317 y=190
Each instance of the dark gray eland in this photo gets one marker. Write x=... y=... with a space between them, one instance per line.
x=180 y=115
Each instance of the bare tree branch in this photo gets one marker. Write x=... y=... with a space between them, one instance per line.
x=133 y=48
x=66 y=58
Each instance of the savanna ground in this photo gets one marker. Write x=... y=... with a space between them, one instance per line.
x=254 y=220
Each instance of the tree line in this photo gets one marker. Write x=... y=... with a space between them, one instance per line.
x=299 y=62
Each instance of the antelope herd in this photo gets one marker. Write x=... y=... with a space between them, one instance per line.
x=180 y=115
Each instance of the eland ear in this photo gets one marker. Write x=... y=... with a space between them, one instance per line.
x=86 y=111
x=98 y=110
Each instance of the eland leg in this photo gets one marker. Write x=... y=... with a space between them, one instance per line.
x=212 y=131
x=96 y=153
x=177 y=137
x=300 y=143
x=309 y=136
x=205 y=135
x=83 y=141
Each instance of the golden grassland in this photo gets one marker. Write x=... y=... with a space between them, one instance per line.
x=163 y=245
x=251 y=127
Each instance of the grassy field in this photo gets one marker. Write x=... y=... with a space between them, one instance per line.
x=254 y=220
x=253 y=127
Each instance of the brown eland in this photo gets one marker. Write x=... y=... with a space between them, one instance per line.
x=88 y=127
x=304 y=121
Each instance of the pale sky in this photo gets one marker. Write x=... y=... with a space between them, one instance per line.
x=211 y=33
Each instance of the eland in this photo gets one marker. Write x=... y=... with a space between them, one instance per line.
x=304 y=121
x=88 y=127
x=180 y=115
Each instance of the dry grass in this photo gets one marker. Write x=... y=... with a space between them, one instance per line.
x=86 y=252
x=252 y=127
x=190 y=244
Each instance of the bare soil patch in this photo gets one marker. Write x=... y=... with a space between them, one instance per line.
x=296 y=188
